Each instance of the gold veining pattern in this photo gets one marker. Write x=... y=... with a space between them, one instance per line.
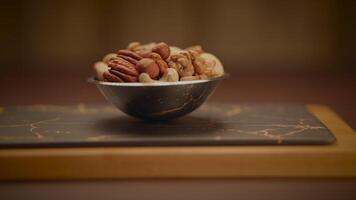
x=32 y=127
x=217 y=116
x=268 y=132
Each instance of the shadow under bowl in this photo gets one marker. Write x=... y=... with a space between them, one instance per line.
x=158 y=101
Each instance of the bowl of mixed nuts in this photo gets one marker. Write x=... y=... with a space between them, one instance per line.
x=156 y=81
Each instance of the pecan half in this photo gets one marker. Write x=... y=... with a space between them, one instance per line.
x=111 y=78
x=129 y=56
x=123 y=67
x=123 y=76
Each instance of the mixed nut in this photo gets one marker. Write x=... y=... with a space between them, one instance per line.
x=158 y=62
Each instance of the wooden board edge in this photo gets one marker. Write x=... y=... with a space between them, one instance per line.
x=330 y=119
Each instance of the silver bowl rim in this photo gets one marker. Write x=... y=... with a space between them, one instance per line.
x=157 y=84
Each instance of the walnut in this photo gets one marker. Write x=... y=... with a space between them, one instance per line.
x=182 y=62
x=198 y=62
x=123 y=67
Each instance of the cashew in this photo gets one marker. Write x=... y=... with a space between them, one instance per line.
x=133 y=45
x=136 y=46
x=170 y=75
x=214 y=68
x=145 y=78
x=192 y=78
x=196 y=48
x=174 y=49
x=108 y=57
x=100 y=68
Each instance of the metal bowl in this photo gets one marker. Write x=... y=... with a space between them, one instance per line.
x=158 y=101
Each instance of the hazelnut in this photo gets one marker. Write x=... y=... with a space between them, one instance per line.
x=149 y=66
x=160 y=62
x=162 y=49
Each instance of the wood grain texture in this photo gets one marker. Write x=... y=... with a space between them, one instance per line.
x=326 y=161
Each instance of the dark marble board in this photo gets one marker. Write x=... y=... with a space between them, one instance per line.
x=212 y=124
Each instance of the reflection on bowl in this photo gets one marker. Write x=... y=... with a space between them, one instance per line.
x=158 y=101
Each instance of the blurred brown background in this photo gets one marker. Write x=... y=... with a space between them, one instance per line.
x=292 y=51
